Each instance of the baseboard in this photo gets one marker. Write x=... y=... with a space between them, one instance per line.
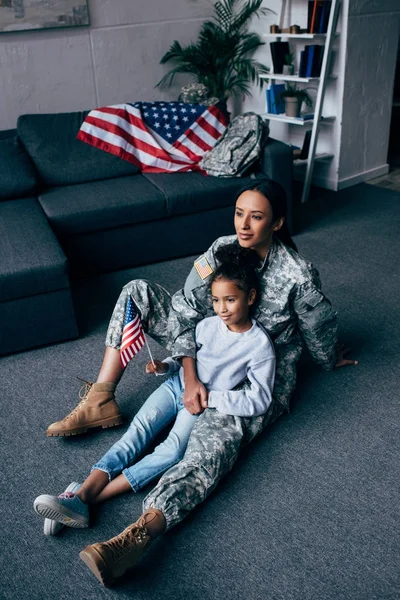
x=323 y=182
x=366 y=176
x=334 y=185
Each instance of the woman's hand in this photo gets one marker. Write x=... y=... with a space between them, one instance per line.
x=341 y=361
x=156 y=366
x=195 y=396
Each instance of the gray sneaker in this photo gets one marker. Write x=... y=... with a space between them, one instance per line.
x=52 y=527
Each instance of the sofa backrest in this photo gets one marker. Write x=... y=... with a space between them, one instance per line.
x=60 y=158
x=18 y=176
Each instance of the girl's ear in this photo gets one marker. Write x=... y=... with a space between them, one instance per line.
x=278 y=223
x=252 y=296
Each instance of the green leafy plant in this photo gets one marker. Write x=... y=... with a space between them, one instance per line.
x=292 y=91
x=289 y=59
x=221 y=57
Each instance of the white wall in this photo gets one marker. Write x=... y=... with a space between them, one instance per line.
x=114 y=60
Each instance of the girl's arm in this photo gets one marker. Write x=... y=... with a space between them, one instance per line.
x=250 y=402
x=188 y=307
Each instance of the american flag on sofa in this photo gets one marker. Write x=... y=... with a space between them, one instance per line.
x=158 y=137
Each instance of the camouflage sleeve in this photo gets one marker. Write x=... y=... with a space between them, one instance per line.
x=189 y=306
x=317 y=323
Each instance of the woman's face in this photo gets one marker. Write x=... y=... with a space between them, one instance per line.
x=254 y=222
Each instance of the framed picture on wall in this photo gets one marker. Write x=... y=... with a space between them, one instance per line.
x=20 y=15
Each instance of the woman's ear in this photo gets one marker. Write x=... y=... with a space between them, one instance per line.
x=252 y=296
x=278 y=223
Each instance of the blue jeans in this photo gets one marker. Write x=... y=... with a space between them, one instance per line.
x=156 y=413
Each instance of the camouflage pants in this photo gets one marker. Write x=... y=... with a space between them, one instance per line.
x=213 y=449
x=153 y=302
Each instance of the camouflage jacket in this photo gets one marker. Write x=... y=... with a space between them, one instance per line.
x=292 y=309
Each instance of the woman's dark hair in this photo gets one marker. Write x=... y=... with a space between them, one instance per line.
x=276 y=196
x=237 y=264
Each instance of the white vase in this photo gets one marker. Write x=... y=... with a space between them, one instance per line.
x=288 y=69
x=292 y=106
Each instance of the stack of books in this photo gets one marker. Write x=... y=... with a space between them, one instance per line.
x=311 y=60
x=275 y=102
x=318 y=15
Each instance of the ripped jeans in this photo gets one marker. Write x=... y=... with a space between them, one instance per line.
x=157 y=412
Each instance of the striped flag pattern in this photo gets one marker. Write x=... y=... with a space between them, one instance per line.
x=132 y=335
x=158 y=137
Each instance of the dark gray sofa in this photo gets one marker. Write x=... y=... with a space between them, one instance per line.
x=68 y=209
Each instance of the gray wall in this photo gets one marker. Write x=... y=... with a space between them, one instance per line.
x=371 y=51
x=115 y=60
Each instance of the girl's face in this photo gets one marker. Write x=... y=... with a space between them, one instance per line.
x=232 y=304
x=254 y=222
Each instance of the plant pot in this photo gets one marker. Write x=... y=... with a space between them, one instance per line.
x=292 y=106
x=288 y=69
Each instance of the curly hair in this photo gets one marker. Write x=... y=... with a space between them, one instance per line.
x=238 y=265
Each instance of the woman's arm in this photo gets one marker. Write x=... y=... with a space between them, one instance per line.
x=252 y=401
x=195 y=396
x=190 y=304
x=317 y=324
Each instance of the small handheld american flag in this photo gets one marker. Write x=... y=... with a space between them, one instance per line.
x=133 y=338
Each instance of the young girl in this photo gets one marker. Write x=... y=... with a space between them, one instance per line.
x=231 y=348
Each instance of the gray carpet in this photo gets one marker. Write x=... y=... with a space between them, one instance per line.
x=311 y=510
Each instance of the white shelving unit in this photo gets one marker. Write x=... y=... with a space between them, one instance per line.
x=318 y=119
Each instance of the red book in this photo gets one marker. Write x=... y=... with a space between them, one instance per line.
x=314 y=14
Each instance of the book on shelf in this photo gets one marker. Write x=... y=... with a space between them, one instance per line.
x=325 y=14
x=318 y=15
x=278 y=52
x=277 y=101
x=303 y=62
x=311 y=60
x=268 y=98
x=317 y=63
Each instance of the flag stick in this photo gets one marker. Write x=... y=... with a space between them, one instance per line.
x=151 y=356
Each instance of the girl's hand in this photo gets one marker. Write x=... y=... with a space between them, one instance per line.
x=341 y=361
x=156 y=367
x=195 y=396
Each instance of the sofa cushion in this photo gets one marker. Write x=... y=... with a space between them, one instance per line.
x=17 y=174
x=102 y=205
x=60 y=158
x=193 y=192
x=31 y=259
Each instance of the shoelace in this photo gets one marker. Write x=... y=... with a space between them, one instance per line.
x=83 y=394
x=134 y=536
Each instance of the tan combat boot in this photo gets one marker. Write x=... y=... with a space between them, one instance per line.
x=97 y=408
x=110 y=560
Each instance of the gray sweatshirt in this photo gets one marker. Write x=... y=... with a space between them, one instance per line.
x=224 y=359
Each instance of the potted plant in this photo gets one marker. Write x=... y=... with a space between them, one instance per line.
x=221 y=58
x=288 y=67
x=294 y=98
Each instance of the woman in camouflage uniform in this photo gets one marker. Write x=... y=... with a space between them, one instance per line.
x=293 y=310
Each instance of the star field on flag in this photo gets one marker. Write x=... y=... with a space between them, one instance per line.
x=158 y=137
x=203 y=267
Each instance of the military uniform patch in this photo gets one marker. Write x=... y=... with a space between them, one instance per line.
x=203 y=267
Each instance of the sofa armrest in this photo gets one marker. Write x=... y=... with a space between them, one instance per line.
x=277 y=164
